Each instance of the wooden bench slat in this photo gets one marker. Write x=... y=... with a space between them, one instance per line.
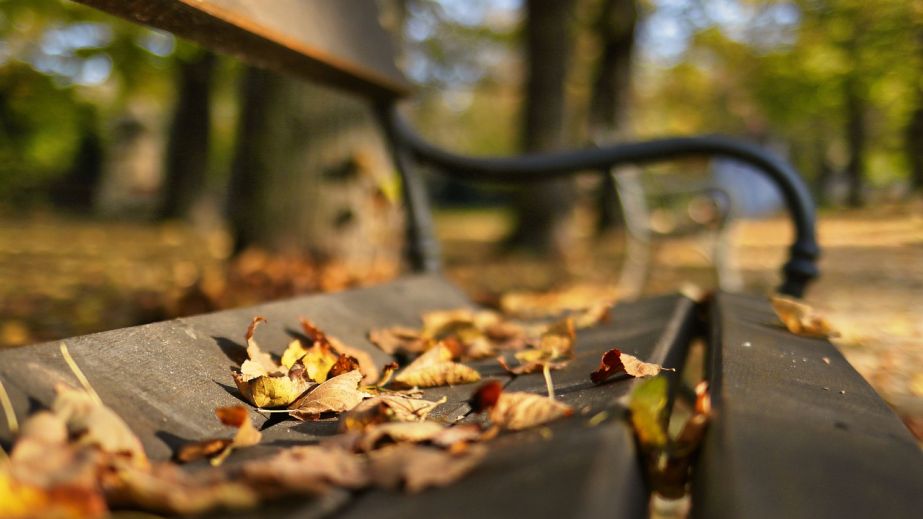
x=581 y=471
x=339 y=43
x=166 y=379
x=785 y=440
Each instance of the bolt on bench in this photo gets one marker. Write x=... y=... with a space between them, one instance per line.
x=791 y=435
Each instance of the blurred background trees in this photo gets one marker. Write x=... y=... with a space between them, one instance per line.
x=102 y=117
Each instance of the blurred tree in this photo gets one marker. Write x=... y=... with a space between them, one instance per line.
x=186 y=161
x=543 y=209
x=614 y=27
x=311 y=174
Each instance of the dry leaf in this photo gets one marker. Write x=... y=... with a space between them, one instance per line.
x=293 y=353
x=398 y=340
x=220 y=449
x=367 y=366
x=256 y=354
x=92 y=423
x=335 y=395
x=318 y=359
x=387 y=408
x=344 y=364
x=417 y=432
x=614 y=362
x=307 y=469
x=555 y=349
x=416 y=467
x=167 y=489
x=596 y=314
x=19 y=500
x=273 y=390
x=801 y=319
x=190 y=452
x=435 y=368
x=516 y=410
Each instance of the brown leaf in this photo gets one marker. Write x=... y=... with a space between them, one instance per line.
x=344 y=364
x=367 y=366
x=416 y=467
x=398 y=339
x=219 y=449
x=516 y=410
x=165 y=488
x=44 y=457
x=614 y=362
x=306 y=469
x=555 y=350
x=336 y=395
x=435 y=368
x=92 y=423
x=21 y=500
x=417 y=432
x=801 y=319
x=387 y=408
x=192 y=451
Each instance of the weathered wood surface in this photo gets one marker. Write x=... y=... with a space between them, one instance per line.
x=165 y=379
x=794 y=436
x=570 y=468
x=337 y=42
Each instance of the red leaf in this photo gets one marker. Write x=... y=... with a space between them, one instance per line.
x=610 y=364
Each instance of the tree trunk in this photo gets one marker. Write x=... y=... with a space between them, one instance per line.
x=77 y=190
x=187 y=149
x=543 y=210
x=914 y=145
x=311 y=174
x=856 y=141
x=609 y=102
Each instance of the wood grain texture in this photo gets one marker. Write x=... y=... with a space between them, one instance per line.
x=793 y=436
x=336 y=42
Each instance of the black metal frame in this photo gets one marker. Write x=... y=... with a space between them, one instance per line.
x=423 y=249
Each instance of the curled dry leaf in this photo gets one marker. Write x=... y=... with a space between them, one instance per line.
x=516 y=410
x=435 y=368
x=256 y=354
x=336 y=395
x=801 y=319
x=366 y=363
x=387 y=408
x=94 y=424
x=306 y=469
x=219 y=449
x=273 y=390
x=417 y=467
x=318 y=360
x=344 y=364
x=614 y=362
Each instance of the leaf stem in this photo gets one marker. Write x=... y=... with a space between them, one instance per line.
x=11 y=422
x=79 y=374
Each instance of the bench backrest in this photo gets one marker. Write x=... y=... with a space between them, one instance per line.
x=336 y=42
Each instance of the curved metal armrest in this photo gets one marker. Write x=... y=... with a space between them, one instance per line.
x=798 y=271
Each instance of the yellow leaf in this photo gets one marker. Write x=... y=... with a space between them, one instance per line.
x=801 y=319
x=293 y=353
x=272 y=390
x=435 y=368
x=317 y=360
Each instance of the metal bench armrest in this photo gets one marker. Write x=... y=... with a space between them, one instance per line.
x=798 y=271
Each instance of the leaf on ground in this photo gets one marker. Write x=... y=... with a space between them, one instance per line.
x=20 y=500
x=273 y=390
x=219 y=449
x=165 y=488
x=92 y=423
x=318 y=360
x=256 y=354
x=306 y=469
x=596 y=314
x=555 y=349
x=44 y=457
x=802 y=319
x=614 y=362
x=516 y=410
x=416 y=467
x=344 y=364
x=336 y=395
x=398 y=340
x=293 y=353
x=387 y=408
x=435 y=368
x=366 y=362
x=648 y=408
x=452 y=437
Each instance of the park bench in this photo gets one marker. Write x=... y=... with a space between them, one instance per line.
x=792 y=435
